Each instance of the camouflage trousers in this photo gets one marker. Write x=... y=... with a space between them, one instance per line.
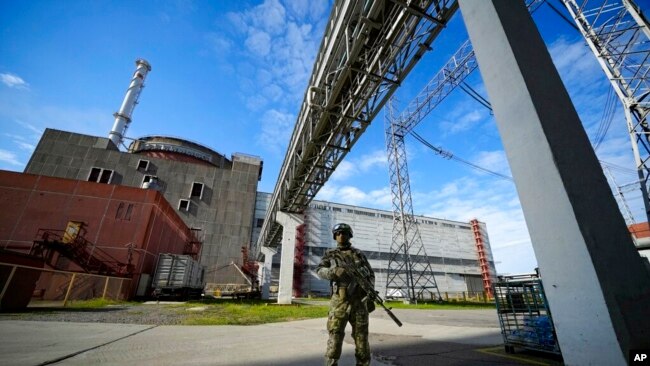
x=344 y=310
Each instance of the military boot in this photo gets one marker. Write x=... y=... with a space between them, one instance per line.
x=331 y=362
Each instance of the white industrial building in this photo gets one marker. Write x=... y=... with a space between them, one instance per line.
x=450 y=246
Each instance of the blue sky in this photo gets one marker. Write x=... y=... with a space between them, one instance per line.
x=231 y=75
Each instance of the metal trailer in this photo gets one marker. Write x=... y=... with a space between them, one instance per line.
x=524 y=314
x=178 y=276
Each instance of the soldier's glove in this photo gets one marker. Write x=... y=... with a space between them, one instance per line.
x=338 y=274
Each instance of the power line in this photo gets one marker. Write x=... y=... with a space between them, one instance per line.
x=448 y=155
x=557 y=11
x=610 y=104
x=474 y=94
x=607 y=118
x=619 y=168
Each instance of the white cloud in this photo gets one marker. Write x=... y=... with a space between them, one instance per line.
x=256 y=102
x=617 y=150
x=37 y=131
x=583 y=78
x=276 y=130
x=280 y=45
x=32 y=117
x=259 y=43
x=269 y=16
x=462 y=117
x=343 y=171
x=448 y=190
x=13 y=81
x=25 y=146
x=351 y=167
x=300 y=7
x=312 y=9
x=495 y=161
x=376 y=158
x=21 y=141
x=220 y=44
x=238 y=21
x=574 y=60
x=490 y=200
x=9 y=158
x=272 y=92
x=351 y=195
x=293 y=57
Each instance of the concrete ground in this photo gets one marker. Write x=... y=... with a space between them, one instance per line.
x=440 y=337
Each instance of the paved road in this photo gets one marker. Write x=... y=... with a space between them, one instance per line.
x=440 y=337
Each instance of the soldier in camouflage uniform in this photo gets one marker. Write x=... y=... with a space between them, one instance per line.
x=348 y=301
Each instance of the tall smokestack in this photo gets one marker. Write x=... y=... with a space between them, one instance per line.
x=123 y=116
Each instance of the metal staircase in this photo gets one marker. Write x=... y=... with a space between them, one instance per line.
x=78 y=250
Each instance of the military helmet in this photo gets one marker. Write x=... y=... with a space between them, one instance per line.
x=341 y=228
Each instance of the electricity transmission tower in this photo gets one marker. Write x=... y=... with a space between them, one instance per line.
x=409 y=268
x=619 y=36
x=620 y=198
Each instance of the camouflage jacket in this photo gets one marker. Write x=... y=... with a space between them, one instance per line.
x=331 y=260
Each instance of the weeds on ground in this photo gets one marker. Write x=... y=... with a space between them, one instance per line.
x=251 y=312
x=244 y=311
x=97 y=303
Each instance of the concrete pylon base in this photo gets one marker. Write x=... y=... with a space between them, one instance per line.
x=289 y=224
x=265 y=271
x=596 y=284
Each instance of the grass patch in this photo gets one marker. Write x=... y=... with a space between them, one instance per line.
x=97 y=303
x=251 y=312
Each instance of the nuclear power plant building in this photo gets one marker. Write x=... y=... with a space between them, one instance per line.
x=451 y=247
x=217 y=198
x=214 y=195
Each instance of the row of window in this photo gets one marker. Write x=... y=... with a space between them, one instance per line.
x=385 y=256
x=383 y=216
x=101 y=175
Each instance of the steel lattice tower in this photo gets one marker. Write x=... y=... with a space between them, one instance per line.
x=408 y=264
x=619 y=36
x=403 y=271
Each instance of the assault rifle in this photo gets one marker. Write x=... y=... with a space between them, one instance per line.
x=360 y=275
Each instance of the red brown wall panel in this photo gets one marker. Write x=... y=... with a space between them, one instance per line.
x=114 y=216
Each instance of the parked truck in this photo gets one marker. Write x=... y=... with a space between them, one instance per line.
x=178 y=277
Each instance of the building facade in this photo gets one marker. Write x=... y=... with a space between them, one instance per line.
x=213 y=195
x=450 y=246
x=123 y=227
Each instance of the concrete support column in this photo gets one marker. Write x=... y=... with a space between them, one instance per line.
x=597 y=287
x=265 y=271
x=289 y=224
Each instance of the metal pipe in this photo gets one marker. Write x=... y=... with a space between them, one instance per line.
x=123 y=116
x=105 y=288
x=67 y=293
